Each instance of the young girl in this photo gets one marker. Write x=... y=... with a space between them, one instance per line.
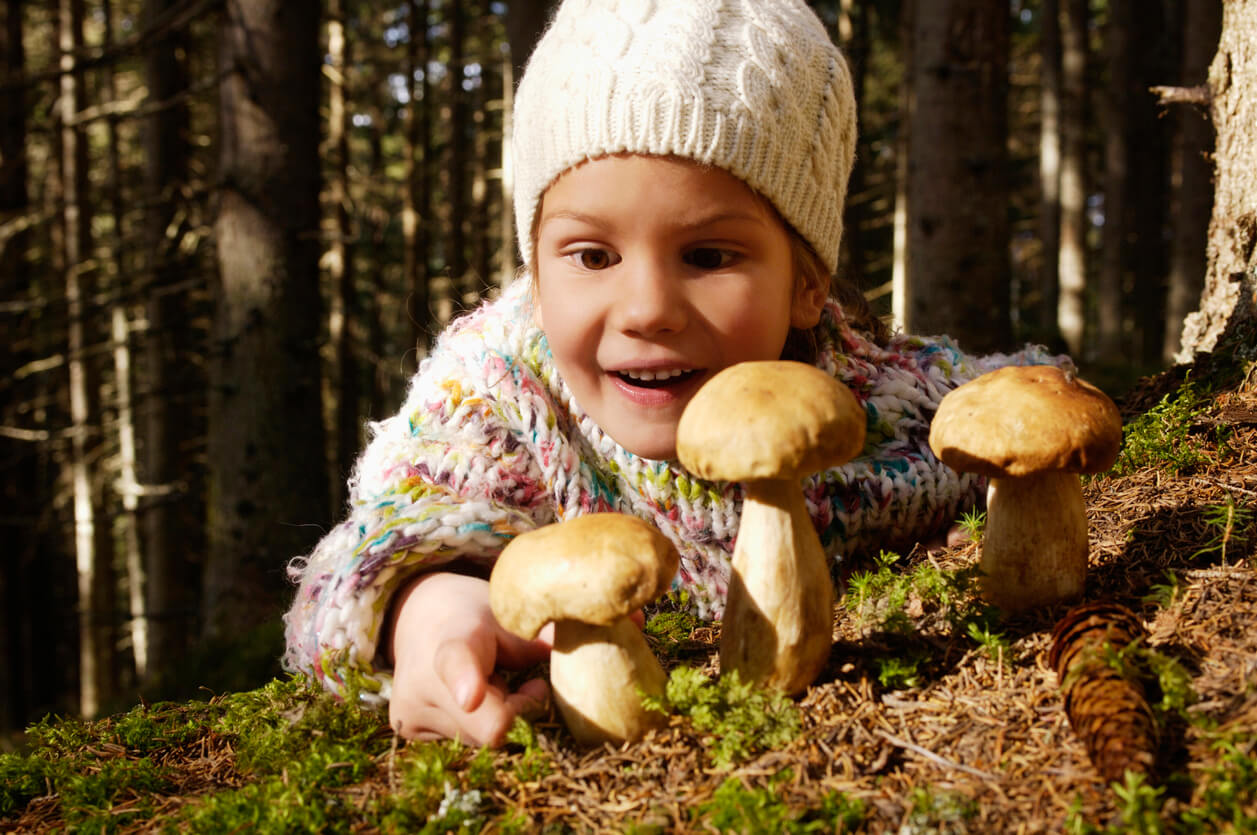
x=681 y=169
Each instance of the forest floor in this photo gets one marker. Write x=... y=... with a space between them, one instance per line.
x=933 y=715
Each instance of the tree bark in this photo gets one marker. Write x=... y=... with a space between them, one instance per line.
x=1040 y=304
x=269 y=494
x=1192 y=175
x=1227 y=301
x=958 y=232
x=344 y=379
x=416 y=166
x=1071 y=307
x=1110 y=295
x=171 y=510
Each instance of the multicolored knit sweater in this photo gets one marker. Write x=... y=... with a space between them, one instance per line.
x=489 y=444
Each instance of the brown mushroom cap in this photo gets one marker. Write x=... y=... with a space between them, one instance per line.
x=593 y=569
x=1021 y=420
x=769 y=419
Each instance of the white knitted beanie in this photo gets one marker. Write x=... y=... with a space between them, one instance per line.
x=752 y=86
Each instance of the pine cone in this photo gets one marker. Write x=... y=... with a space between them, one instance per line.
x=1107 y=705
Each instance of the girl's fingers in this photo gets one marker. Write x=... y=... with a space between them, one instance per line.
x=464 y=672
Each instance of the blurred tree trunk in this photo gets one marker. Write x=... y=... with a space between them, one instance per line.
x=1155 y=62
x=457 y=265
x=958 y=232
x=1071 y=303
x=127 y=527
x=1040 y=304
x=525 y=21
x=20 y=487
x=171 y=506
x=344 y=377
x=1116 y=123
x=418 y=200
x=1227 y=302
x=269 y=492
x=93 y=556
x=853 y=37
x=1192 y=175
x=901 y=286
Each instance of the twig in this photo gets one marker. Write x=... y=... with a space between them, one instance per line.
x=1200 y=94
x=935 y=758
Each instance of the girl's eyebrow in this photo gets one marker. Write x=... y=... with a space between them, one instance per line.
x=697 y=222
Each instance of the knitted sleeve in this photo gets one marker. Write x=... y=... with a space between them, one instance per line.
x=897 y=492
x=445 y=478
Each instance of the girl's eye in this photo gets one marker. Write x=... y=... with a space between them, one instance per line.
x=708 y=258
x=594 y=259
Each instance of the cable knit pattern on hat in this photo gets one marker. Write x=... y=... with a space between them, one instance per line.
x=752 y=86
x=489 y=444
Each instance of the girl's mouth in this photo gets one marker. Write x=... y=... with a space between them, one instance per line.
x=663 y=378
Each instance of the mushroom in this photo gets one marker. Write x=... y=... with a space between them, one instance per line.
x=587 y=575
x=1031 y=430
x=767 y=425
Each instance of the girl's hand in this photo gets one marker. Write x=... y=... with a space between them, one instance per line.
x=445 y=644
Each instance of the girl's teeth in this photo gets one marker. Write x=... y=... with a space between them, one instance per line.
x=650 y=376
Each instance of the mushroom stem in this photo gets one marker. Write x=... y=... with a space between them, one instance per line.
x=778 y=621
x=598 y=675
x=1034 y=549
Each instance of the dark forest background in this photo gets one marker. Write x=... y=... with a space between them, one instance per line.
x=230 y=228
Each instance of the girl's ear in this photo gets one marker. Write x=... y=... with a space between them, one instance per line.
x=806 y=306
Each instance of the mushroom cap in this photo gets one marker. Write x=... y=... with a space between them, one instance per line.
x=1020 y=420
x=593 y=569
x=767 y=420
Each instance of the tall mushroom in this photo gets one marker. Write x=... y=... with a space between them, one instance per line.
x=1031 y=430
x=767 y=425
x=587 y=575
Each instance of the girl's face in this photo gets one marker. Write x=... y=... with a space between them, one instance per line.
x=654 y=273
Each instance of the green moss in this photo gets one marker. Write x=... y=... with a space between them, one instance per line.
x=736 y=808
x=670 y=629
x=741 y=718
x=1162 y=437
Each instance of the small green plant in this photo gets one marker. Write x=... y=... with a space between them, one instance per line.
x=998 y=647
x=1226 y=800
x=895 y=673
x=535 y=763
x=736 y=808
x=1232 y=522
x=670 y=629
x=973 y=523
x=1164 y=595
x=741 y=718
x=936 y=810
x=1140 y=805
x=1161 y=437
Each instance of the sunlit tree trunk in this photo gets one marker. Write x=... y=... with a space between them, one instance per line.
x=457 y=264
x=418 y=203
x=901 y=286
x=958 y=244
x=1071 y=304
x=1192 y=175
x=1227 y=301
x=93 y=558
x=343 y=381
x=170 y=509
x=269 y=496
x=126 y=527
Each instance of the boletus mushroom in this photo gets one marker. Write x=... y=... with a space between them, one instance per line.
x=767 y=425
x=587 y=575
x=1031 y=430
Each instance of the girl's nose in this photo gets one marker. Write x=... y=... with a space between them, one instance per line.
x=651 y=301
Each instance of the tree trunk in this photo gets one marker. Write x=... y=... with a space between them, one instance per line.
x=525 y=21
x=19 y=484
x=1071 y=304
x=418 y=203
x=93 y=558
x=958 y=233
x=1040 y=303
x=1228 y=298
x=171 y=508
x=269 y=494
x=1192 y=175
x=457 y=264
x=344 y=311
x=902 y=300
x=1110 y=291
x=853 y=37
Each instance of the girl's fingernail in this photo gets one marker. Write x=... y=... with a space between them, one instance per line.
x=463 y=693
